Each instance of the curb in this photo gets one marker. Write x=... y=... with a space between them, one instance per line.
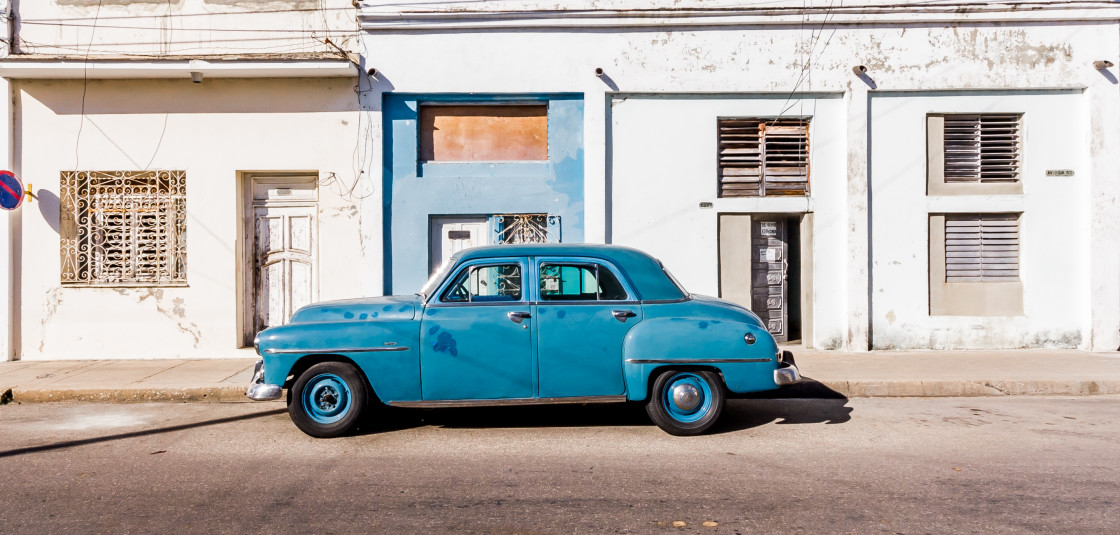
x=220 y=394
x=809 y=388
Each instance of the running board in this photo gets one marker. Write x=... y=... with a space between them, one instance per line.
x=441 y=403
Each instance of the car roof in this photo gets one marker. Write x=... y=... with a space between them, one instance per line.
x=644 y=271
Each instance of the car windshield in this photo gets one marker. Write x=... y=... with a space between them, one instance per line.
x=437 y=277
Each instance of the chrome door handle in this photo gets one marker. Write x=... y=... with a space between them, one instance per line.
x=623 y=315
x=518 y=317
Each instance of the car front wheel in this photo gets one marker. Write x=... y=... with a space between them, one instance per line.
x=328 y=399
x=685 y=402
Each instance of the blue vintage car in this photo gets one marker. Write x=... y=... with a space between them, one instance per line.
x=518 y=325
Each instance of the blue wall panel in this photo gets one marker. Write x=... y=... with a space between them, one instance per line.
x=413 y=192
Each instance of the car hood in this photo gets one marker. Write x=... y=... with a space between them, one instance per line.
x=392 y=307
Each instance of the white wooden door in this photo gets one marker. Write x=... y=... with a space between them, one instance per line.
x=285 y=262
x=450 y=235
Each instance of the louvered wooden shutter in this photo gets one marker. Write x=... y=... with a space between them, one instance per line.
x=762 y=157
x=981 y=247
x=982 y=148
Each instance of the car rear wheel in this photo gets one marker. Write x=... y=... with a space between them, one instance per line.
x=685 y=403
x=328 y=399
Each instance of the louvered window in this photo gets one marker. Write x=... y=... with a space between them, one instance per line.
x=982 y=148
x=123 y=227
x=981 y=247
x=763 y=157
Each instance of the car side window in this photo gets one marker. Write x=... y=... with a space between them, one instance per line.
x=480 y=284
x=579 y=282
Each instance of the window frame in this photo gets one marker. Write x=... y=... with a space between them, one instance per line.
x=807 y=121
x=936 y=185
x=452 y=279
x=971 y=298
x=76 y=212
x=628 y=297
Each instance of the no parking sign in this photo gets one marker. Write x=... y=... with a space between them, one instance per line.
x=11 y=191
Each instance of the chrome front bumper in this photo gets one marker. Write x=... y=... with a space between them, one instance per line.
x=260 y=391
x=787 y=372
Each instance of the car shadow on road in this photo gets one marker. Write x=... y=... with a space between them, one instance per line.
x=806 y=406
x=134 y=434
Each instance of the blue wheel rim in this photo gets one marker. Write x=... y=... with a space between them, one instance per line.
x=689 y=383
x=326 y=398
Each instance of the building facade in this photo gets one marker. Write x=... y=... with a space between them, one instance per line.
x=864 y=176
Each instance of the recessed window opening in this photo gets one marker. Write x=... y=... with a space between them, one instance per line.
x=982 y=148
x=763 y=157
x=123 y=228
x=981 y=247
x=483 y=132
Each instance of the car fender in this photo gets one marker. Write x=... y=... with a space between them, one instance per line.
x=687 y=342
x=387 y=352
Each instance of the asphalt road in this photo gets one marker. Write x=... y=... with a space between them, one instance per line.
x=963 y=465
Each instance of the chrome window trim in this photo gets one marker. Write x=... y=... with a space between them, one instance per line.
x=583 y=261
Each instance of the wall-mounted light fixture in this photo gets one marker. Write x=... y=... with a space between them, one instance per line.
x=859 y=69
x=196 y=77
x=1102 y=64
x=599 y=72
x=372 y=72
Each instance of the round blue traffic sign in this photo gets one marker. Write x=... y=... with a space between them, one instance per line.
x=11 y=191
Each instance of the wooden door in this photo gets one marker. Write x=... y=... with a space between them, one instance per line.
x=285 y=262
x=769 y=266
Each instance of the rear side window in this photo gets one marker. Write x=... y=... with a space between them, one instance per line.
x=579 y=282
x=482 y=284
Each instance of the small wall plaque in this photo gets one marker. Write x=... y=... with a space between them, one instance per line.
x=1059 y=172
x=705 y=205
x=283 y=192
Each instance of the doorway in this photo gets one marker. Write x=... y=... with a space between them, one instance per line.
x=450 y=234
x=281 y=249
x=761 y=268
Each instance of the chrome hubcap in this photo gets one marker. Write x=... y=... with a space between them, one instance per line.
x=686 y=397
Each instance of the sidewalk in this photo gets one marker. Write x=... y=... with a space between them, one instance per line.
x=874 y=374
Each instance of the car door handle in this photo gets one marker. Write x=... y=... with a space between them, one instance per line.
x=622 y=315
x=518 y=317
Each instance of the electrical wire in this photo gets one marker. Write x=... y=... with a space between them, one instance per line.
x=85 y=87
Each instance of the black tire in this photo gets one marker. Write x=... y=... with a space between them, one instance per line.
x=328 y=399
x=698 y=406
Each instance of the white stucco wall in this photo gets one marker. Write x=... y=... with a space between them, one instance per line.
x=1054 y=227
x=213 y=131
x=99 y=28
x=664 y=165
x=661 y=53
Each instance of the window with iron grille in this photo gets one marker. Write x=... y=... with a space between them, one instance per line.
x=982 y=148
x=123 y=228
x=763 y=157
x=981 y=247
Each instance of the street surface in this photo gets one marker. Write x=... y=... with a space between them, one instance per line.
x=878 y=465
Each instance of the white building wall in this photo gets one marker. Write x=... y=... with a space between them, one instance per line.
x=986 y=52
x=215 y=131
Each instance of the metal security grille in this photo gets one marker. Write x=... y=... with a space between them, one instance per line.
x=982 y=148
x=522 y=228
x=763 y=157
x=123 y=227
x=981 y=247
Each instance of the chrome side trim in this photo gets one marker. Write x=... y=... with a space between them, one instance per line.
x=441 y=403
x=337 y=350
x=694 y=361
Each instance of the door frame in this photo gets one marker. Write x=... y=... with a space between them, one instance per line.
x=246 y=241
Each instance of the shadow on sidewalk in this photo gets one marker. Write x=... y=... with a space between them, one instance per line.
x=135 y=434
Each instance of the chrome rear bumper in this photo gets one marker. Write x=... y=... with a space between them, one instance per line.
x=787 y=372
x=260 y=391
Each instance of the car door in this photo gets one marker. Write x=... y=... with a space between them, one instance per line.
x=585 y=308
x=476 y=336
